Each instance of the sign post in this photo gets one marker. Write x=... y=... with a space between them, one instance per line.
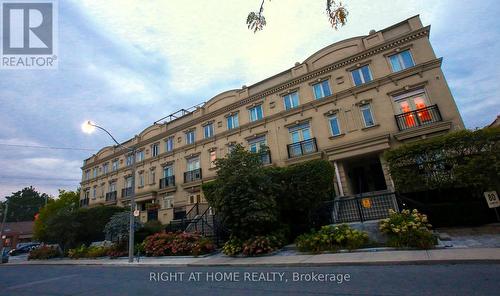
x=493 y=201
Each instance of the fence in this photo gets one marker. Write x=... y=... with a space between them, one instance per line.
x=364 y=207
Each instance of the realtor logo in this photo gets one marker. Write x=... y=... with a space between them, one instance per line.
x=28 y=34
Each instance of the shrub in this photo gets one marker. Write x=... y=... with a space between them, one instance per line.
x=260 y=245
x=331 y=238
x=118 y=250
x=44 y=252
x=408 y=229
x=254 y=246
x=233 y=246
x=177 y=244
x=76 y=253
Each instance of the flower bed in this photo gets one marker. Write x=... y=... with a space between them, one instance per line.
x=408 y=230
x=254 y=246
x=177 y=244
x=332 y=238
x=44 y=252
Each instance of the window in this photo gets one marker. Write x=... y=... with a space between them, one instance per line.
x=322 y=90
x=366 y=112
x=300 y=133
x=139 y=156
x=130 y=159
x=115 y=164
x=141 y=179
x=208 y=130
x=190 y=137
x=128 y=182
x=105 y=168
x=213 y=157
x=112 y=186
x=87 y=175
x=401 y=61
x=169 y=144
x=291 y=101
x=168 y=202
x=232 y=121
x=412 y=101
x=361 y=75
x=155 y=149
x=334 y=125
x=94 y=192
x=193 y=164
x=230 y=148
x=255 y=113
x=168 y=171
x=255 y=145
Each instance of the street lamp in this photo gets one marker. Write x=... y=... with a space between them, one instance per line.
x=89 y=127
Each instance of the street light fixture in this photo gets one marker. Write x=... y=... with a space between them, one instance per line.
x=89 y=127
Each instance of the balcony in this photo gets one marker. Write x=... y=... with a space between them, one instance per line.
x=192 y=176
x=84 y=202
x=419 y=117
x=111 y=196
x=302 y=148
x=167 y=182
x=126 y=192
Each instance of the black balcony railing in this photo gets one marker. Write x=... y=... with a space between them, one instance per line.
x=111 y=196
x=419 y=117
x=302 y=148
x=193 y=175
x=127 y=192
x=84 y=202
x=167 y=182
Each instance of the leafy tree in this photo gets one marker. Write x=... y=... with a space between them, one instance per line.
x=301 y=190
x=241 y=194
x=117 y=228
x=91 y=222
x=24 y=204
x=336 y=11
x=56 y=221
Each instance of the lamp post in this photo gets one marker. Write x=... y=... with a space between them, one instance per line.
x=89 y=127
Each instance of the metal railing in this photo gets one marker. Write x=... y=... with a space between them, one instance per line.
x=193 y=175
x=167 y=182
x=364 y=207
x=127 y=192
x=111 y=196
x=419 y=117
x=302 y=148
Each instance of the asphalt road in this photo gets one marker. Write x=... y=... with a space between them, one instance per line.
x=446 y=279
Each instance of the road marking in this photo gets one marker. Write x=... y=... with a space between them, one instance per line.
x=40 y=282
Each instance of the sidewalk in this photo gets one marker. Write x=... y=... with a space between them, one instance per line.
x=355 y=258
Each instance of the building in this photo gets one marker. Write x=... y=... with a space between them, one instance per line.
x=17 y=232
x=347 y=103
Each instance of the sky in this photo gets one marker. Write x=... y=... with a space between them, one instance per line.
x=124 y=64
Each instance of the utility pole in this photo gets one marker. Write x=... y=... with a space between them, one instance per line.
x=1 y=227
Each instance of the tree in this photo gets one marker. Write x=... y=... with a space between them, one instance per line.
x=24 y=204
x=241 y=194
x=117 y=229
x=91 y=222
x=336 y=11
x=56 y=221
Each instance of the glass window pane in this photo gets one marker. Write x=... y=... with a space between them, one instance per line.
x=259 y=112
x=287 y=102
x=295 y=137
x=334 y=124
x=295 y=99
x=235 y=120
x=317 y=91
x=229 y=123
x=366 y=74
x=356 y=77
x=395 y=63
x=367 y=116
x=326 y=88
x=306 y=134
x=407 y=59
